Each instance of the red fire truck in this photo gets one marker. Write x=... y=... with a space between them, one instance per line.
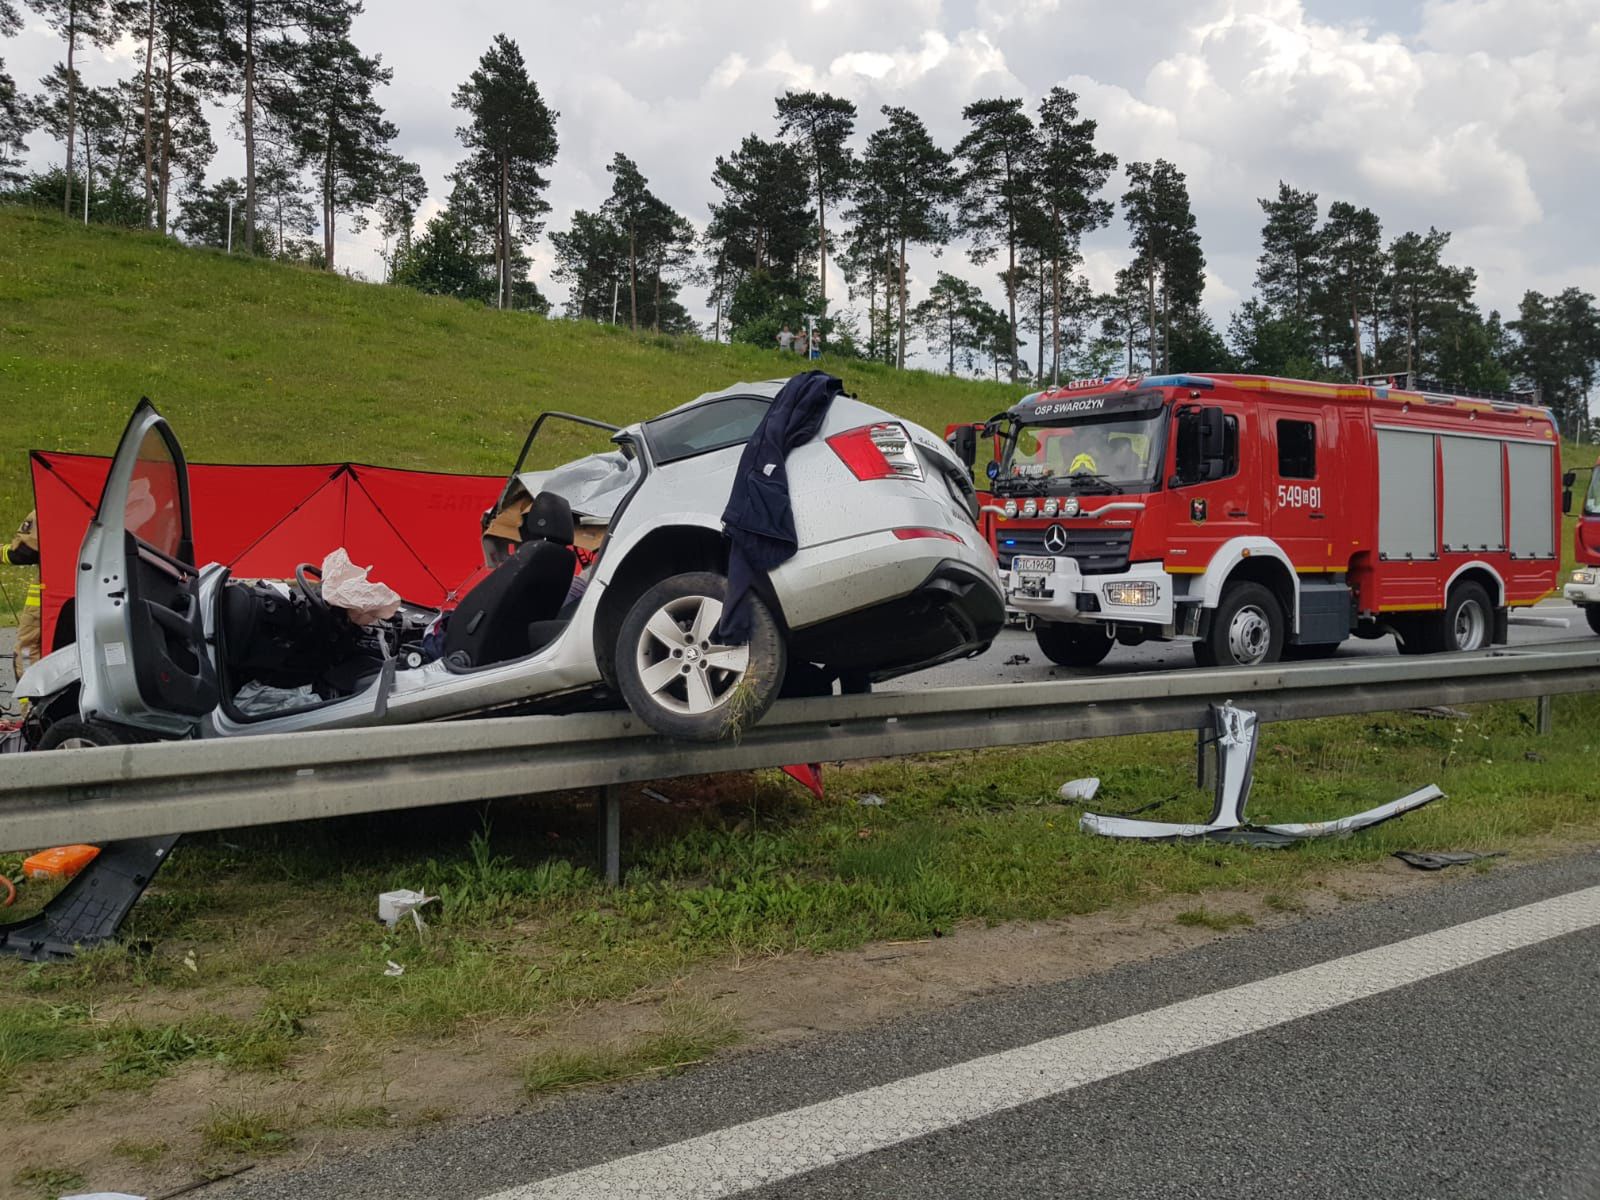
x=1583 y=589
x=1268 y=518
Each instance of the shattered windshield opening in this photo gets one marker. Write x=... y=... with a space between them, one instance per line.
x=1118 y=452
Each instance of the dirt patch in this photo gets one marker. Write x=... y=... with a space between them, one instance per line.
x=345 y=1097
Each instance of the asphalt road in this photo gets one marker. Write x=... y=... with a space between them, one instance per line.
x=995 y=666
x=1448 y=1044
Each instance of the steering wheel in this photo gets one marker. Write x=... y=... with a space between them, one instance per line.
x=312 y=594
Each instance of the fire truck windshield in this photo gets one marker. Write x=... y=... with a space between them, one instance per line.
x=1113 y=453
x=1591 y=502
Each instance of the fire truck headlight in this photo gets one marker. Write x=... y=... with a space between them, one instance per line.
x=1030 y=508
x=1011 y=508
x=1069 y=507
x=1138 y=594
x=1050 y=506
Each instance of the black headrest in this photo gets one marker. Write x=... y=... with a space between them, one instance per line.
x=549 y=520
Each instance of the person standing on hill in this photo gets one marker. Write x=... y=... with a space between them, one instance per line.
x=785 y=339
x=802 y=344
x=23 y=551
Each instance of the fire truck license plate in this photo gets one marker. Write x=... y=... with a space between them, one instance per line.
x=1033 y=566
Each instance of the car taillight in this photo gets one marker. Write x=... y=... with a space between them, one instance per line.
x=910 y=532
x=881 y=451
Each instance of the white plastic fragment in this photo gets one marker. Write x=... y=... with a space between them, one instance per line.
x=394 y=969
x=870 y=800
x=393 y=906
x=1080 y=789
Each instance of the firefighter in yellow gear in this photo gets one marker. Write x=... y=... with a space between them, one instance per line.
x=23 y=551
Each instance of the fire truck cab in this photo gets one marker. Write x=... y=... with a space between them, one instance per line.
x=1267 y=518
x=1583 y=589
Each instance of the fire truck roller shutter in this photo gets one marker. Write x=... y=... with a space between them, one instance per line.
x=1533 y=532
x=1407 y=523
x=1266 y=562
x=1474 y=513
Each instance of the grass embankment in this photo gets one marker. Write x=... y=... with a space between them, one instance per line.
x=261 y=1017
x=260 y=362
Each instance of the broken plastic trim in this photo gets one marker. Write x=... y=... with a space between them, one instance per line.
x=1235 y=742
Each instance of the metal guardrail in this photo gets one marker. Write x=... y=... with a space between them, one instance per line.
x=169 y=788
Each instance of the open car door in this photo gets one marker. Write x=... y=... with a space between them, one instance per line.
x=140 y=635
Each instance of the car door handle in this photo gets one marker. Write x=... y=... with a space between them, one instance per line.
x=1318 y=516
x=1237 y=512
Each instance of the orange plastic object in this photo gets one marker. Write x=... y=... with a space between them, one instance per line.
x=61 y=862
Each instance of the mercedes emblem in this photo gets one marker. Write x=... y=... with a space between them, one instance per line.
x=1055 y=539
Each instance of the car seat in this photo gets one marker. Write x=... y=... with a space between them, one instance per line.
x=491 y=623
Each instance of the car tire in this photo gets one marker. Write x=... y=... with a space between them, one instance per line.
x=1247 y=629
x=1467 y=622
x=1072 y=645
x=1591 y=613
x=713 y=692
x=74 y=733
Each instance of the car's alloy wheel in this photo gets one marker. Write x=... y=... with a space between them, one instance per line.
x=681 y=681
x=677 y=662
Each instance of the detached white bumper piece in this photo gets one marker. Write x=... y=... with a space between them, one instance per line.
x=1235 y=741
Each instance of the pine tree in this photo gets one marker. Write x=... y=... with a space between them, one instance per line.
x=401 y=192
x=1167 y=252
x=15 y=119
x=908 y=181
x=257 y=54
x=819 y=125
x=593 y=260
x=73 y=20
x=511 y=136
x=947 y=319
x=328 y=107
x=284 y=205
x=764 y=233
x=998 y=189
x=1070 y=174
x=1354 y=262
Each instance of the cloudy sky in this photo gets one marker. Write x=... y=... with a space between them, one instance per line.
x=1478 y=116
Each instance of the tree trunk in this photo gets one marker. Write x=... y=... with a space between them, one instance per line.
x=1055 y=304
x=165 y=178
x=655 y=315
x=1153 y=327
x=1011 y=274
x=250 y=136
x=900 y=352
x=149 y=148
x=1166 y=324
x=822 y=236
x=327 y=200
x=1355 y=325
x=633 y=278
x=504 y=234
x=72 y=102
x=950 y=330
x=1411 y=332
x=1039 y=370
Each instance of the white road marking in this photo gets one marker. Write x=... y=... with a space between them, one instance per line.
x=786 y=1144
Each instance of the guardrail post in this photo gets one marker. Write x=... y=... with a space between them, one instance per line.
x=1544 y=719
x=608 y=812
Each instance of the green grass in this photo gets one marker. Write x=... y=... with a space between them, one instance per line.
x=1204 y=918
x=691 y=1034
x=48 y=1182
x=527 y=935
x=239 y=1129
x=261 y=362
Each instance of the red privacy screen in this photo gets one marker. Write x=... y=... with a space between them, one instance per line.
x=417 y=530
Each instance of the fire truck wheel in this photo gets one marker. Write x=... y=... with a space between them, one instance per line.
x=1592 y=612
x=1069 y=645
x=1246 y=629
x=1465 y=623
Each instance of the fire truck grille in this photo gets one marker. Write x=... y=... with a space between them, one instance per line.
x=1098 y=551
